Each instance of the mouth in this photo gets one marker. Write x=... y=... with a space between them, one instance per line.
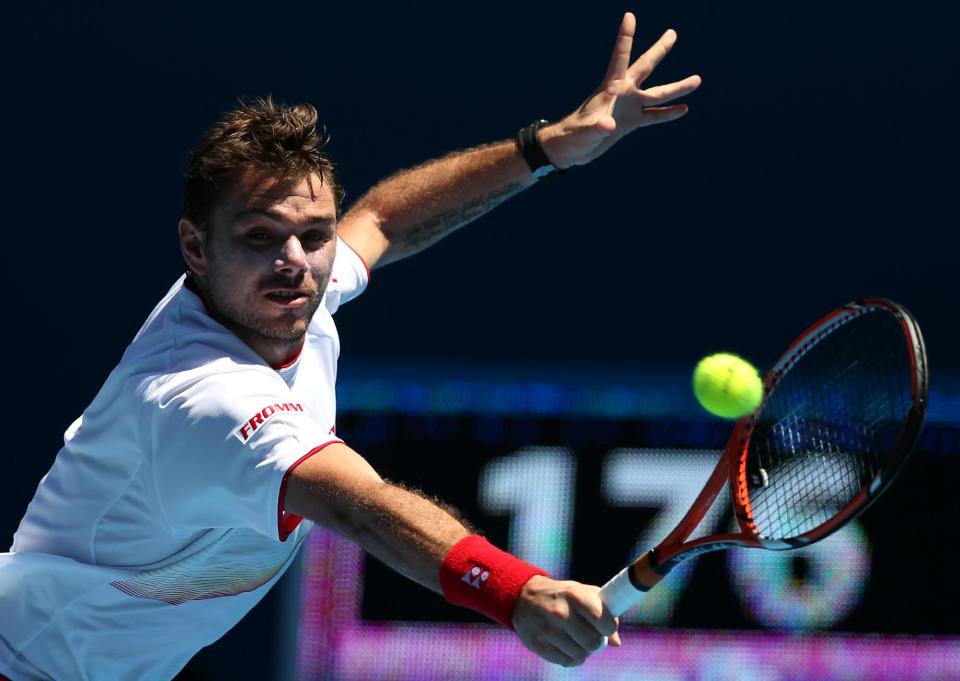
x=288 y=298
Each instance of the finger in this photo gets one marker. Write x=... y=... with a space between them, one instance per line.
x=552 y=653
x=620 y=59
x=662 y=114
x=564 y=643
x=606 y=126
x=613 y=639
x=592 y=612
x=661 y=94
x=648 y=61
x=584 y=631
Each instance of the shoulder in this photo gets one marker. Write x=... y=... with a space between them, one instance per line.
x=181 y=348
x=216 y=384
x=349 y=278
x=221 y=406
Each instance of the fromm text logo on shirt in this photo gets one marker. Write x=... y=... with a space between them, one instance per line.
x=248 y=428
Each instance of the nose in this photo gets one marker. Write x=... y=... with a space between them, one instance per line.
x=293 y=259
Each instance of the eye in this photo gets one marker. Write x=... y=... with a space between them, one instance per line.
x=259 y=235
x=314 y=239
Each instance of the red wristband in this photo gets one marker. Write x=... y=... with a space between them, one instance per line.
x=478 y=575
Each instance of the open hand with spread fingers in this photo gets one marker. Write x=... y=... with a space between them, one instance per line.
x=620 y=105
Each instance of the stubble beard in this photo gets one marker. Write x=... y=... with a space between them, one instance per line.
x=245 y=322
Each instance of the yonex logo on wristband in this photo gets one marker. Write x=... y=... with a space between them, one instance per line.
x=244 y=432
x=475 y=575
x=478 y=575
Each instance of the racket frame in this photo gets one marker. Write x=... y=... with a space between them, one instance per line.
x=899 y=452
x=626 y=588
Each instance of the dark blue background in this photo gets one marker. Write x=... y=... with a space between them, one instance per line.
x=817 y=165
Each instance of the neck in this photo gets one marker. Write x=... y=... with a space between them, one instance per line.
x=278 y=354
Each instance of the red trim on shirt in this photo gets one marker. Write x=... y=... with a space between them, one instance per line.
x=290 y=361
x=287 y=522
x=359 y=256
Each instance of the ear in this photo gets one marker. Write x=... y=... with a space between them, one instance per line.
x=193 y=246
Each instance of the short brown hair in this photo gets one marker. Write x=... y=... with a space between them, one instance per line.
x=261 y=135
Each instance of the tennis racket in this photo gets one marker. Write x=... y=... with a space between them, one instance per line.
x=842 y=410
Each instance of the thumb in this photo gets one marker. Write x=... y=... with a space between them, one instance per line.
x=606 y=126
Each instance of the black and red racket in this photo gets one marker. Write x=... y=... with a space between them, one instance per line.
x=842 y=410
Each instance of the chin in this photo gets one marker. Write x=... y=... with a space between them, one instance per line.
x=284 y=332
x=266 y=324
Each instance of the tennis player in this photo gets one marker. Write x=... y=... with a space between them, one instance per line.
x=187 y=486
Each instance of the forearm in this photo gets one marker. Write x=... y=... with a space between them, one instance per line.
x=417 y=207
x=402 y=528
x=406 y=531
x=416 y=536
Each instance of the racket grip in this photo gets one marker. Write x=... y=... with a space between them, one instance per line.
x=619 y=594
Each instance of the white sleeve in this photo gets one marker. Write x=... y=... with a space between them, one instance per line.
x=349 y=278
x=221 y=448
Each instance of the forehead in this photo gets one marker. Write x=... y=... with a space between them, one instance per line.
x=304 y=199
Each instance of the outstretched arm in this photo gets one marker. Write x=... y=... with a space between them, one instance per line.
x=415 y=208
x=560 y=621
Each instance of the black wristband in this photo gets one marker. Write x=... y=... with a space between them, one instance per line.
x=529 y=145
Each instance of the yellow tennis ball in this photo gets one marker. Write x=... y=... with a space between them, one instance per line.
x=727 y=386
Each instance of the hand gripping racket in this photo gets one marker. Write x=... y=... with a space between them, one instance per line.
x=842 y=411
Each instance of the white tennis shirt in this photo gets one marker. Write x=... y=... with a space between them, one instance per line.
x=161 y=522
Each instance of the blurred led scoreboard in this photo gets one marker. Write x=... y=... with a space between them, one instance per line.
x=579 y=474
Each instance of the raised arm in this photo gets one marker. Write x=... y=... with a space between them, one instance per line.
x=417 y=207
x=561 y=621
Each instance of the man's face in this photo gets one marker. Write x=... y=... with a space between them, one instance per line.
x=269 y=253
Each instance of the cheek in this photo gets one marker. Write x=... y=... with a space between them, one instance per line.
x=234 y=277
x=321 y=264
x=238 y=263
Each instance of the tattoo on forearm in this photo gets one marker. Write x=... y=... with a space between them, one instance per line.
x=433 y=228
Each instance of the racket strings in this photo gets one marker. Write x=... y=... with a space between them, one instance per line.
x=829 y=425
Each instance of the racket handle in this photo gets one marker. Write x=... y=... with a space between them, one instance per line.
x=619 y=594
